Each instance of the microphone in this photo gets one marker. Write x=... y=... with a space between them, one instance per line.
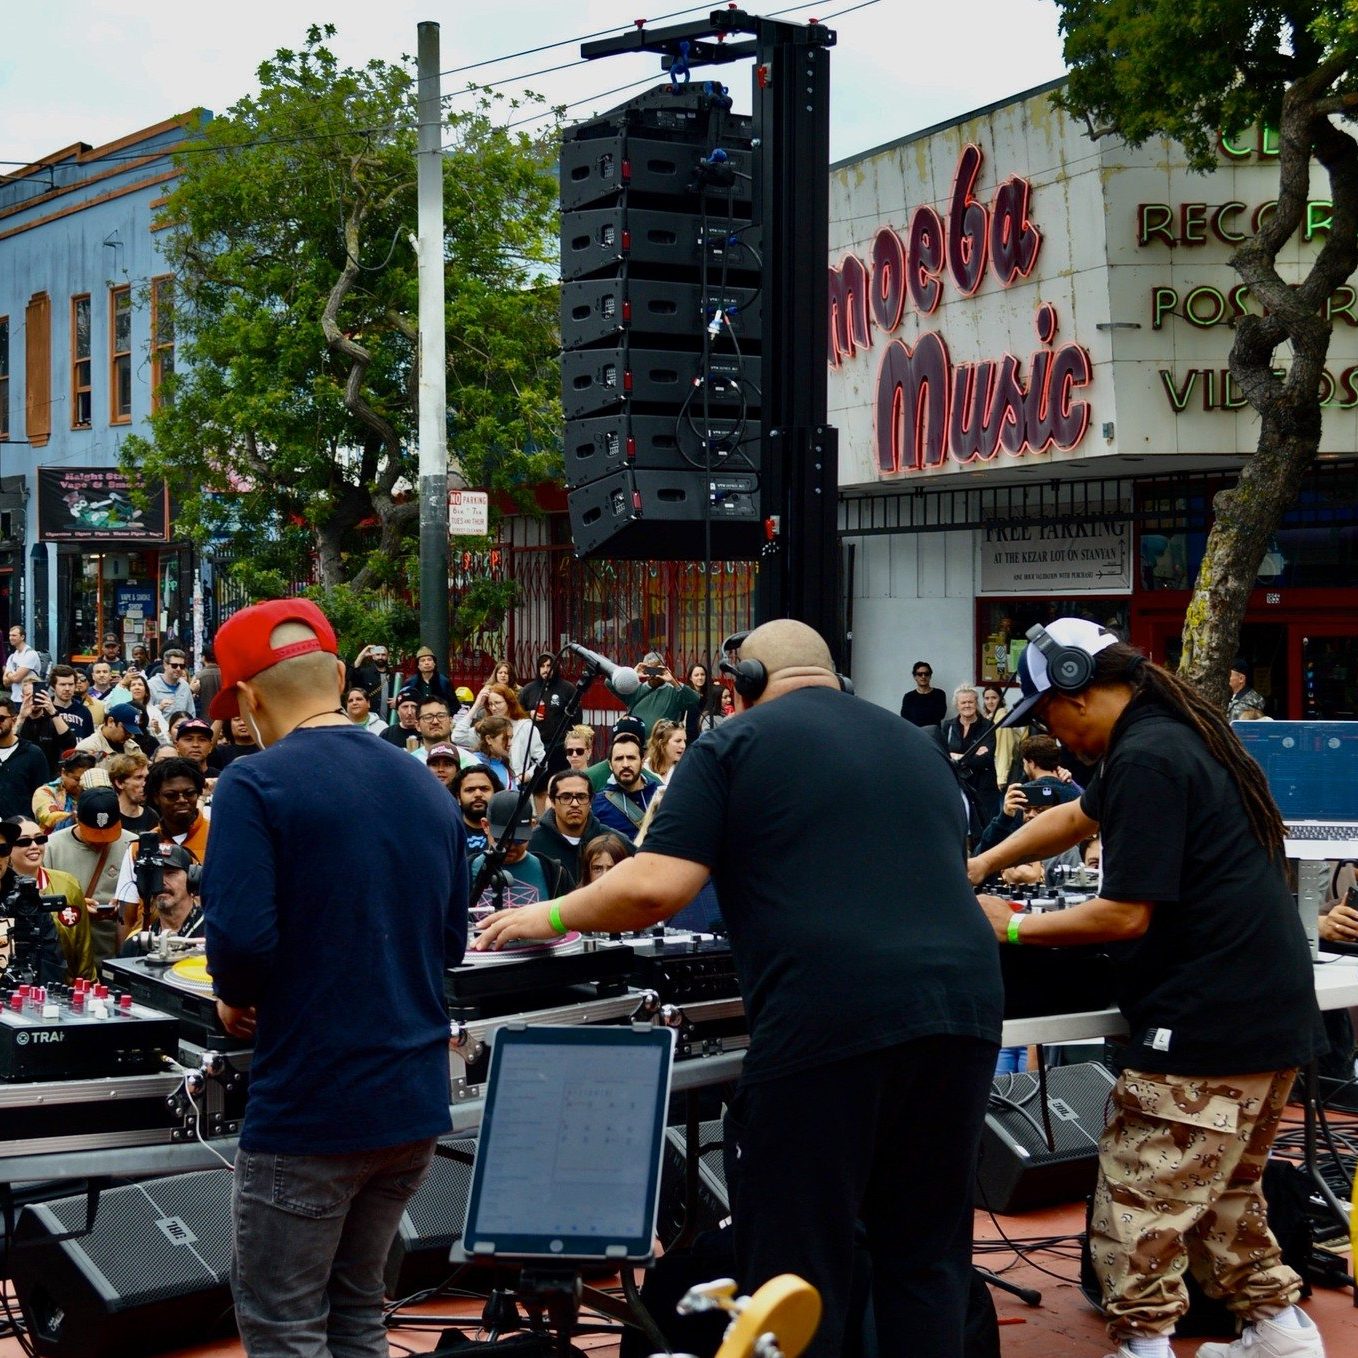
x=624 y=681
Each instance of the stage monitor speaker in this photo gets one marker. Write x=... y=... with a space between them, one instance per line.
x=658 y=516
x=1017 y=1170
x=432 y=1223
x=154 y=1272
x=713 y=1202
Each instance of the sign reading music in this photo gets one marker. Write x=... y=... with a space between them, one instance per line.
x=929 y=409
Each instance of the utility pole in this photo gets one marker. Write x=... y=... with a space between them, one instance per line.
x=433 y=388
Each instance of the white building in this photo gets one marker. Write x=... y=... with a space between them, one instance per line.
x=1030 y=333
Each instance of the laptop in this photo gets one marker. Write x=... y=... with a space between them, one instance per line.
x=1312 y=772
x=568 y=1160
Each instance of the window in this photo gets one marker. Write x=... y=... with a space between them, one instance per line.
x=38 y=368
x=162 y=338
x=120 y=354
x=4 y=377
x=80 y=362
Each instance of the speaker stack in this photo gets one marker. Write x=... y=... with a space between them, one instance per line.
x=152 y=1272
x=660 y=329
x=1018 y=1170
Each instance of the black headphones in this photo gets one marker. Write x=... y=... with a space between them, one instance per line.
x=1069 y=668
x=751 y=678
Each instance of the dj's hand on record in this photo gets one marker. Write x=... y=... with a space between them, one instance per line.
x=237 y=1022
x=521 y=921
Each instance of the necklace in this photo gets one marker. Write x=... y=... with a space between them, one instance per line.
x=328 y=712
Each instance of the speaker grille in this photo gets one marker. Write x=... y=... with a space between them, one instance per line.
x=156 y=1240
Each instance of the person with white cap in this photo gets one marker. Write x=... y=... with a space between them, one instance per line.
x=1217 y=988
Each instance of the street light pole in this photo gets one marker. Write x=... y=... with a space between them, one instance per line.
x=433 y=391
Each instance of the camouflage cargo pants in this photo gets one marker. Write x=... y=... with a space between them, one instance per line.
x=1179 y=1171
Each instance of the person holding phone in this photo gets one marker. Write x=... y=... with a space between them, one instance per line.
x=660 y=695
x=92 y=851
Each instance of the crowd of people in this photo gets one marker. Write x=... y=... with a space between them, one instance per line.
x=125 y=745
x=519 y=828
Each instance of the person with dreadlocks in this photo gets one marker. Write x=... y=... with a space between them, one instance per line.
x=1217 y=988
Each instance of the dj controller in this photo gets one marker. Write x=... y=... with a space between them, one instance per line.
x=140 y=1057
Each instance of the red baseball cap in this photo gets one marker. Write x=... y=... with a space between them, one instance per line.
x=242 y=645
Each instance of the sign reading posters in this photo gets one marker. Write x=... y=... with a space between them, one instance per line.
x=1065 y=556
x=82 y=504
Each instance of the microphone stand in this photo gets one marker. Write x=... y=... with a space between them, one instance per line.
x=493 y=860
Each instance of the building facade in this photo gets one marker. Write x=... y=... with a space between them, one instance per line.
x=86 y=339
x=1029 y=342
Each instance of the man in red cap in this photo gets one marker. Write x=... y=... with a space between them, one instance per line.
x=330 y=953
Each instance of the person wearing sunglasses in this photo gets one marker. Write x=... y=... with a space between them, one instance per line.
x=568 y=822
x=170 y=689
x=924 y=705
x=25 y=843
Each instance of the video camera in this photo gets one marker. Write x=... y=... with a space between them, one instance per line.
x=154 y=855
x=28 y=917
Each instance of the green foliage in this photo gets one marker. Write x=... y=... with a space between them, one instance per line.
x=482 y=608
x=303 y=197
x=363 y=617
x=1191 y=70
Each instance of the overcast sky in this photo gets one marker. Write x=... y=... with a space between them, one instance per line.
x=95 y=70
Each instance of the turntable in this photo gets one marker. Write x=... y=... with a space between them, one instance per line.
x=528 y=974
x=182 y=989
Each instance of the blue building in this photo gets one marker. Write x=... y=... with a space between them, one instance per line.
x=86 y=337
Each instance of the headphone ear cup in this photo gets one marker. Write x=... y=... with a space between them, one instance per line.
x=1071 y=669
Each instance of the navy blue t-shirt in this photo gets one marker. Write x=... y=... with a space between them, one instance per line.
x=335 y=891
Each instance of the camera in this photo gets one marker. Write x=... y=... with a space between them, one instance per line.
x=31 y=913
x=154 y=855
x=655 y=671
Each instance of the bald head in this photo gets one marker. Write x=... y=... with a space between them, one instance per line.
x=789 y=650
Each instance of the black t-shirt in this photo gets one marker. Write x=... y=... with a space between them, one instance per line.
x=842 y=880
x=1221 y=983
x=144 y=821
x=924 y=709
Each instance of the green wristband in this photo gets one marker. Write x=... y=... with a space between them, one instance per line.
x=1012 y=931
x=554 y=918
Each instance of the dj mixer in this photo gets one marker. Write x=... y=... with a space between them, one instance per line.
x=71 y=1032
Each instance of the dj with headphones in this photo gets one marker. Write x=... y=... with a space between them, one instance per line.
x=1217 y=988
x=868 y=976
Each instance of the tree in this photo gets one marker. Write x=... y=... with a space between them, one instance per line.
x=1142 y=68
x=293 y=403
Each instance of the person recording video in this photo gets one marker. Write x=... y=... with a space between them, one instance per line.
x=168 y=880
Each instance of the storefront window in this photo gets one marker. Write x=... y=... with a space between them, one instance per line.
x=1329 y=675
x=113 y=591
x=1001 y=625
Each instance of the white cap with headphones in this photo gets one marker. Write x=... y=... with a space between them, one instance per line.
x=1036 y=674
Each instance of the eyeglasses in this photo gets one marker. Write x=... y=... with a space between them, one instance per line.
x=174 y=664
x=571 y=797
x=24 y=841
x=923 y=674
x=570 y=751
x=168 y=795
x=434 y=716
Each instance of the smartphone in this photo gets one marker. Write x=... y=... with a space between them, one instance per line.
x=40 y=688
x=106 y=909
x=1043 y=795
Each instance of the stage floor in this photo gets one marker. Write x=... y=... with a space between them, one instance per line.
x=1064 y=1326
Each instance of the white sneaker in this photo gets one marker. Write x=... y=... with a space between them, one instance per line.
x=1268 y=1339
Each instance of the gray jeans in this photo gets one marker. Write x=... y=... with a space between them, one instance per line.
x=311 y=1236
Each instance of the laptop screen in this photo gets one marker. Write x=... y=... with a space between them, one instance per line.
x=568 y=1164
x=1311 y=766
